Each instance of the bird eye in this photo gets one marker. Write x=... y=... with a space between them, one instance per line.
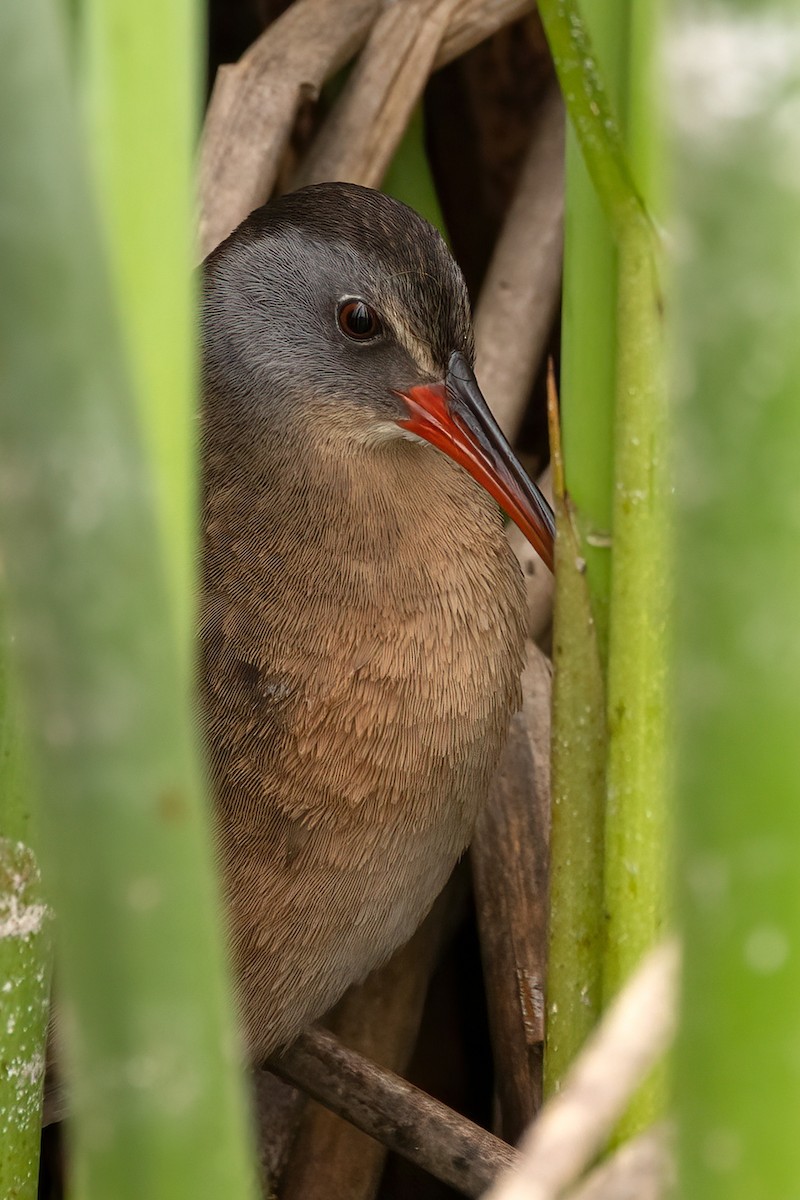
x=358 y=321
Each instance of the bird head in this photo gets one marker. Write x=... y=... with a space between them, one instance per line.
x=342 y=299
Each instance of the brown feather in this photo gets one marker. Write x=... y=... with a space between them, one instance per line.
x=362 y=641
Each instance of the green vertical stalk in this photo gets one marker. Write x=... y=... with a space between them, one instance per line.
x=25 y=953
x=636 y=832
x=150 y=1052
x=580 y=629
x=644 y=132
x=634 y=871
x=138 y=75
x=574 y=975
x=736 y=368
x=589 y=330
x=638 y=835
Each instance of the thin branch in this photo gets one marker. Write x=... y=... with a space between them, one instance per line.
x=359 y=138
x=515 y=312
x=519 y=298
x=475 y=21
x=397 y=1114
x=255 y=101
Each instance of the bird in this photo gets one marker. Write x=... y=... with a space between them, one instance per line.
x=362 y=614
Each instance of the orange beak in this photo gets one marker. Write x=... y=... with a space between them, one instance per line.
x=454 y=417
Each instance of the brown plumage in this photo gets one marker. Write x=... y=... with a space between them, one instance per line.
x=362 y=617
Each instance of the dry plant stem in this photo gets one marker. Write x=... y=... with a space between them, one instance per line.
x=255 y=101
x=397 y=1114
x=475 y=21
x=509 y=869
x=515 y=312
x=331 y=1159
x=642 y=1169
x=519 y=298
x=278 y=1110
x=362 y=133
x=576 y=1123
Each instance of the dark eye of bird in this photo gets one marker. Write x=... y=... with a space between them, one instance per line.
x=358 y=321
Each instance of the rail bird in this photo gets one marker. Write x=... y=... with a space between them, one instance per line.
x=362 y=617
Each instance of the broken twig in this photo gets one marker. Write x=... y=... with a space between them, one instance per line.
x=397 y=1114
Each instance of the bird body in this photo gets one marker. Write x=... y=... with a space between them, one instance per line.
x=362 y=616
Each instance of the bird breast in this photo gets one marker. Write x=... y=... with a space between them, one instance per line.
x=362 y=646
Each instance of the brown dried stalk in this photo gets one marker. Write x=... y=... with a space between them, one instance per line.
x=519 y=298
x=359 y=138
x=399 y=1115
x=509 y=866
x=515 y=312
x=255 y=101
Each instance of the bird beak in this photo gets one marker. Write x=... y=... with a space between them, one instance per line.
x=454 y=417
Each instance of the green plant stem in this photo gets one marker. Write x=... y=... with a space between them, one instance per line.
x=736 y=357
x=638 y=830
x=588 y=378
x=158 y=1107
x=574 y=973
x=589 y=333
x=644 y=132
x=580 y=641
x=591 y=111
x=25 y=958
x=138 y=75
x=635 y=858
